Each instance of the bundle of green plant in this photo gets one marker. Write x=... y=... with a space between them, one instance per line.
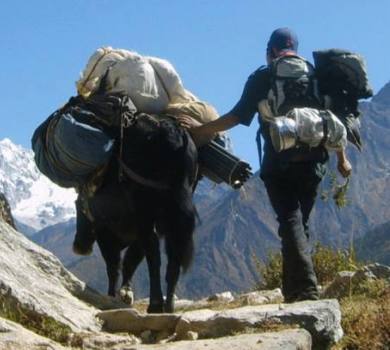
x=335 y=190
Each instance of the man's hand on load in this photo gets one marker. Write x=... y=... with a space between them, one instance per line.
x=203 y=134
x=187 y=122
x=200 y=135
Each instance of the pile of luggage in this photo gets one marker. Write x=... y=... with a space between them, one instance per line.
x=74 y=145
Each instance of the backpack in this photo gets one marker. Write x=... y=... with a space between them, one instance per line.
x=293 y=84
x=343 y=80
x=342 y=72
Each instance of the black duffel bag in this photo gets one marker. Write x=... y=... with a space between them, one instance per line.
x=77 y=140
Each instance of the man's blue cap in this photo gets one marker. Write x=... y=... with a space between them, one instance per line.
x=283 y=39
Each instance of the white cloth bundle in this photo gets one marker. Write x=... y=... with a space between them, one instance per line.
x=152 y=83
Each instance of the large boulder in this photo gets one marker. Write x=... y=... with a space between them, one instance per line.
x=33 y=282
x=340 y=286
x=378 y=270
x=345 y=281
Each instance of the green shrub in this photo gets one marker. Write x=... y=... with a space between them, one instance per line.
x=270 y=272
x=327 y=262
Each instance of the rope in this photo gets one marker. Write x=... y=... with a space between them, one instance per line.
x=82 y=86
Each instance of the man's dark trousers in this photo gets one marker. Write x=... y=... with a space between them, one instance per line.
x=292 y=193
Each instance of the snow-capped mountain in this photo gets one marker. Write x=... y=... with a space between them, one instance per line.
x=35 y=200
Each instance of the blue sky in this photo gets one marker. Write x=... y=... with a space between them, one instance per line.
x=213 y=44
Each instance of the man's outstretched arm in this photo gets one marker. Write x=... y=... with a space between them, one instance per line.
x=203 y=134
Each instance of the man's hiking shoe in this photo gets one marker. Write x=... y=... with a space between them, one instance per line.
x=301 y=297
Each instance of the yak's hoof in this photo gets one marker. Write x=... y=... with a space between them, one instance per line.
x=83 y=243
x=169 y=307
x=81 y=249
x=157 y=308
x=126 y=295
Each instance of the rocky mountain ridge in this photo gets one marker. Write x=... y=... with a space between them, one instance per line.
x=375 y=245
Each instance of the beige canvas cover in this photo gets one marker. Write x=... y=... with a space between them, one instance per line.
x=152 y=83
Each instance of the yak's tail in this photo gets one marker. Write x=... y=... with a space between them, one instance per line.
x=181 y=212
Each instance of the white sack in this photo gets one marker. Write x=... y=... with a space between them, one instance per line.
x=152 y=83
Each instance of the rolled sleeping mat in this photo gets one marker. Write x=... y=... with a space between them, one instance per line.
x=219 y=165
x=283 y=133
x=308 y=126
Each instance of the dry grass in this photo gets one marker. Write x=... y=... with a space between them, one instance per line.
x=366 y=322
x=265 y=327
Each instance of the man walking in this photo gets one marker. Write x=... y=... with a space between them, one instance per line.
x=291 y=177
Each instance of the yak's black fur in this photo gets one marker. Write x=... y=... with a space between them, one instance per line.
x=130 y=215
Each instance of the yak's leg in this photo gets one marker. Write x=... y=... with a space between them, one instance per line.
x=133 y=257
x=172 y=275
x=112 y=257
x=153 y=258
x=177 y=226
x=85 y=235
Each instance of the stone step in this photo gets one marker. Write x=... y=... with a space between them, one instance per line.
x=320 y=318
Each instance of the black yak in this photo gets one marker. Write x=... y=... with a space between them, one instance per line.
x=146 y=194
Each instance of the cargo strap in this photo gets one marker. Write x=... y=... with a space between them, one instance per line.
x=81 y=90
x=325 y=122
x=131 y=174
